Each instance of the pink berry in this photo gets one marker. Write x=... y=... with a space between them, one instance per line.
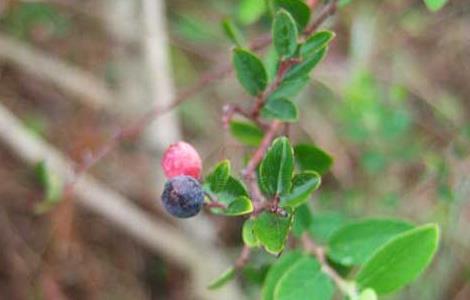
x=181 y=159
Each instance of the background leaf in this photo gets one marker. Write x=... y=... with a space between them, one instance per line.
x=304 y=280
x=311 y=158
x=233 y=33
x=250 y=11
x=223 y=279
x=250 y=71
x=281 y=109
x=277 y=167
x=435 y=5
x=401 y=260
x=277 y=270
x=355 y=243
x=246 y=133
x=284 y=34
x=272 y=231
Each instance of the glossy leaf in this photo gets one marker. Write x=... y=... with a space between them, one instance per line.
x=233 y=33
x=233 y=189
x=219 y=176
x=316 y=42
x=223 y=279
x=304 y=280
x=246 y=133
x=297 y=8
x=311 y=158
x=355 y=243
x=250 y=71
x=284 y=34
x=280 y=109
x=272 y=230
x=435 y=5
x=303 y=185
x=306 y=66
x=400 y=261
x=240 y=206
x=277 y=167
x=277 y=270
x=248 y=234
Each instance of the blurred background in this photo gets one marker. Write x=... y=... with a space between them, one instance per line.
x=390 y=103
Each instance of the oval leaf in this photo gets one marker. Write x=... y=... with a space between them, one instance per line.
x=368 y=294
x=290 y=87
x=248 y=234
x=281 y=109
x=298 y=10
x=240 y=206
x=306 y=66
x=435 y=5
x=316 y=42
x=401 y=260
x=302 y=186
x=284 y=34
x=272 y=231
x=355 y=243
x=304 y=280
x=223 y=279
x=311 y=158
x=219 y=176
x=277 y=167
x=277 y=270
x=246 y=133
x=250 y=71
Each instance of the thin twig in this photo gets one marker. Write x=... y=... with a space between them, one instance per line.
x=346 y=287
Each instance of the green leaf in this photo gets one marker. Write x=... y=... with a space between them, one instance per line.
x=316 y=42
x=233 y=189
x=303 y=185
x=250 y=71
x=240 y=206
x=219 y=176
x=50 y=182
x=233 y=33
x=284 y=34
x=223 y=279
x=297 y=8
x=246 y=133
x=277 y=167
x=306 y=66
x=368 y=294
x=355 y=243
x=281 y=109
x=248 y=234
x=400 y=261
x=435 y=5
x=272 y=231
x=250 y=11
x=277 y=270
x=304 y=280
x=311 y=158
x=303 y=219
x=290 y=87
x=324 y=225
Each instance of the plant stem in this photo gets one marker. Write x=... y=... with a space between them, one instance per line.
x=346 y=287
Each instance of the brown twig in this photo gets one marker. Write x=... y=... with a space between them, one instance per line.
x=328 y=11
x=243 y=258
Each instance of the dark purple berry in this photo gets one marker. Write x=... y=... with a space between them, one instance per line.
x=183 y=196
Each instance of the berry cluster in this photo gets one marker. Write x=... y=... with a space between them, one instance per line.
x=182 y=196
